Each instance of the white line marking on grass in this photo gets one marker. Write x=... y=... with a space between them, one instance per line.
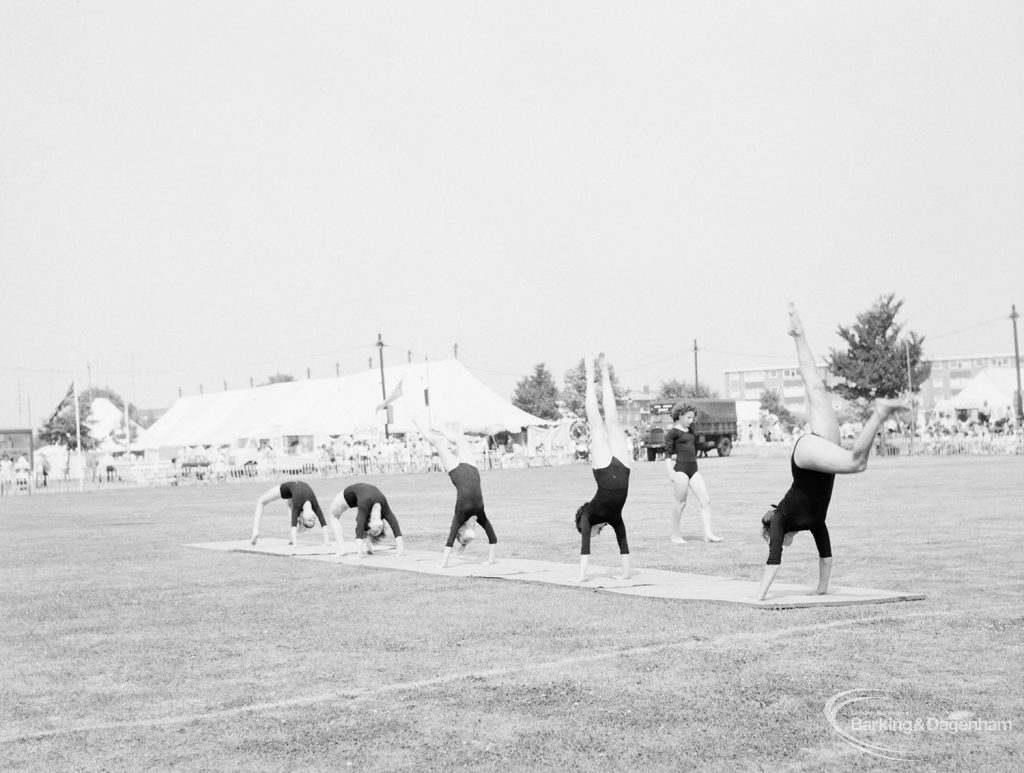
x=252 y=708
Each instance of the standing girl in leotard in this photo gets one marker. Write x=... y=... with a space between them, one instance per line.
x=303 y=506
x=469 y=499
x=609 y=457
x=681 y=462
x=372 y=510
x=817 y=458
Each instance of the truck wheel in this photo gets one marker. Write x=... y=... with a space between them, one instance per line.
x=724 y=447
x=651 y=454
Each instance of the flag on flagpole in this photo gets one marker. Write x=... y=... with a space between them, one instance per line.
x=62 y=403
x=411 y=386
x=78 y=416
x=395 y=394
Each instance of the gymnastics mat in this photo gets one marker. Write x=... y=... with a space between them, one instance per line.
x=650 y=583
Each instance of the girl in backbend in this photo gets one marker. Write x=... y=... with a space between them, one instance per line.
x=365 y=497
x=304 y=509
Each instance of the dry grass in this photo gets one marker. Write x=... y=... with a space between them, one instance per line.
x=124 y=650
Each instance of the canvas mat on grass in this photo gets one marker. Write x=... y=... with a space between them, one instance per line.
x=653 y=583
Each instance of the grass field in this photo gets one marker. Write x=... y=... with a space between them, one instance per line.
x=124 y=650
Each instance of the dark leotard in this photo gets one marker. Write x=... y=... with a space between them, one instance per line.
x=802 y=509
x=469 y=502
x=363 y=497
x=299 y=493
x=606 y=506
x=682 y=443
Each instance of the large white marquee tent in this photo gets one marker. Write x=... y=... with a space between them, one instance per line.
x=443 y=391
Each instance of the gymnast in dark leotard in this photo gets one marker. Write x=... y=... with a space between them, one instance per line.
x=469 y=499
x=681 y=462
x=609 y=456
x=372 y=512
x=304 y=508
x=817 y=458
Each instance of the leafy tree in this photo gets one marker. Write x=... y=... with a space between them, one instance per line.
x=674 y=389
x=277 y=378
x=875 y=362
x=575 y=385
x=119 y=403
x=60 y=429
x=771 y=401
x=538 y=393
x=114 y=397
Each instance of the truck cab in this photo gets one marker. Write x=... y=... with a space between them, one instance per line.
x=715 y=427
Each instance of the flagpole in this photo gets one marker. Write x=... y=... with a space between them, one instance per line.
x=78 y=436
x=78 y=418
x=426 y=395
x=31 y=451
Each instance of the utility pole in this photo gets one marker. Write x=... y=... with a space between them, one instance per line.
x=696 y=378
x=1016 y=359
x=383 y=390
x=455 y=351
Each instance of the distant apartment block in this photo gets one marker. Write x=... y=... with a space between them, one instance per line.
x=635 y=408
x=949 y=375
x=751 y=383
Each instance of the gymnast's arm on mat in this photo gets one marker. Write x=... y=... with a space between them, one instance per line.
x=767 y=579
x=824 y=573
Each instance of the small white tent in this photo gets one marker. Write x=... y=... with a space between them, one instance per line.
x=992 y=388
x=445 y=391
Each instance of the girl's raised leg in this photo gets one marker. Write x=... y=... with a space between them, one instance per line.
x=600 y=450
x=822 y=415
x=616 y=437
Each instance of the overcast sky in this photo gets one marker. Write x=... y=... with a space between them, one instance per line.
x=195 y=192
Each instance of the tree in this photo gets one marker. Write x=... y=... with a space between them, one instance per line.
x=277 y=378
x=119 y=402
x=674 y=389
x=875 y=362
x=114 y=397
x=575 y=384
x=60 y=428
x=772 y=403
x=538 y=393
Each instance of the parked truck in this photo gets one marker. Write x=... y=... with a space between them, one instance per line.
x=715 y=427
